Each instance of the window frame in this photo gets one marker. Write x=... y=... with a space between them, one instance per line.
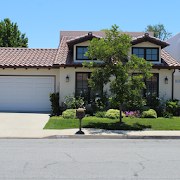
x=157 y=90
x=89 y=88
x=145 y=48
x=77 y=53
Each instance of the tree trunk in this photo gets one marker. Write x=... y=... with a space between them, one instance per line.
x=120 y=118
x=102 y=92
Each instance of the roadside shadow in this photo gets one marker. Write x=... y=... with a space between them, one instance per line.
x=117 y=126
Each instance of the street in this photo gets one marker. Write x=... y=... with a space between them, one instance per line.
x=89 y=159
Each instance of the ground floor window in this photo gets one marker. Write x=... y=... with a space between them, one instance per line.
x=152 y=88
x=82 y=87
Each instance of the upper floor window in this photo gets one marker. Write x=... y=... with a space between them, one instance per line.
x=80 y=52
x=150 y=54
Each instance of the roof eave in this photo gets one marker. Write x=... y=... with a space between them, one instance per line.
x=81 y=39
x=151 y=40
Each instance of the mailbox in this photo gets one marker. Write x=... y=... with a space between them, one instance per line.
x=80 y=113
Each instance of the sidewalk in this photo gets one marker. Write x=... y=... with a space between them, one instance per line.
x=91 y=133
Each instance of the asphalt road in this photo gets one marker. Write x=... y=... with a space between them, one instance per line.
x=89 y=159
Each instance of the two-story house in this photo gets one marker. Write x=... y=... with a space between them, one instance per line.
x=28 y=75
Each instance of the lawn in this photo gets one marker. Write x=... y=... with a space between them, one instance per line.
x=113 y=124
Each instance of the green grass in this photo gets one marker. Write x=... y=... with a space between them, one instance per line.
x=113 y=124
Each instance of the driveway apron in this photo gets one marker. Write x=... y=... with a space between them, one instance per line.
x=22 y=124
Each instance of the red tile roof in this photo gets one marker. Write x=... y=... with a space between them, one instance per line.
x=168 y=59
x=30 y=57
x=27 y=57
x=64 y=56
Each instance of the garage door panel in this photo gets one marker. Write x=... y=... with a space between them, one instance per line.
x=22 y=98
x=6 y=88
x=6 y=80
x=24 y=89
x=41 y=106
x=25 y=93
x=24 y=105
x=44 y=81
x=4 y=106
x=43 y=85
x=6 y=96
x=24 y=80
x=42 y=98
x=43 y=89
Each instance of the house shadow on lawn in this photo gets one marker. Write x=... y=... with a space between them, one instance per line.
x=117 y=126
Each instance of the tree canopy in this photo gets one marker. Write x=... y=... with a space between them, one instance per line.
x=10 y=36
x=124 y=76
x=159 y=31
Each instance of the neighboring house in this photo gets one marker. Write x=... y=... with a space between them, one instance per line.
x=174 y=51
x=28 y=75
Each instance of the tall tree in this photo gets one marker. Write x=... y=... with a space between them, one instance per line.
x=159 y=31
x=10 y=36
x=124 y=77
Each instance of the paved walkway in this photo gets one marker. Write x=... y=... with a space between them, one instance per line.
x=30 y=125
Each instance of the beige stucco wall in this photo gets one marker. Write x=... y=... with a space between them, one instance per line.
x=67 y=88
x=148 y=44
x=33 y=72
x=164 y=89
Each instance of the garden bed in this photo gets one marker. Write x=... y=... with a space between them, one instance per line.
x=113 y=124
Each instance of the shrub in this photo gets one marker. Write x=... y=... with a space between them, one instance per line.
x=167 y=115
x=134 y=103
x=100 y=114
x=151 y=113
x=69 y=114
x=172 y=106
x=56 y=109
x=113 y=114
x=74 y=102
x=157 y=103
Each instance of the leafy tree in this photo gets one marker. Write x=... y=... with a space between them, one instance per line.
x=10 y=36
x=124 y=77
x=159 y=31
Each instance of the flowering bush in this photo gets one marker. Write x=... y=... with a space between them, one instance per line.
x=73 y=102
x=132 y=113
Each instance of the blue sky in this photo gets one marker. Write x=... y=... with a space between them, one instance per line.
x=42 y=20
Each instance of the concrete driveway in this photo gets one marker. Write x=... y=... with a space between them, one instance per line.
x=23 y=125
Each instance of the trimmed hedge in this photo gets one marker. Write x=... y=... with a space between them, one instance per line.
x=113 y=114
x=151 y=113
x=69 y=114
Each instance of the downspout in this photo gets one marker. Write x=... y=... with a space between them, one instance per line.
x=173 y=84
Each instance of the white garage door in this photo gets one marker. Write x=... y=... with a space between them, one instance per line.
x=25 y=93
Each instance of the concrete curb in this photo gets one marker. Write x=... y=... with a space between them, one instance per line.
x=109 y=137
x=95 y=137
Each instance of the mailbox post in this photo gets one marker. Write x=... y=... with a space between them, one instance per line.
x=80 y=113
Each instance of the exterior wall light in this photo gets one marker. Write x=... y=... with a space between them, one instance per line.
x=166 y=80
x=67 y=78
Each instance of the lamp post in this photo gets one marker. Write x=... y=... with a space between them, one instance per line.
x=80 y=113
